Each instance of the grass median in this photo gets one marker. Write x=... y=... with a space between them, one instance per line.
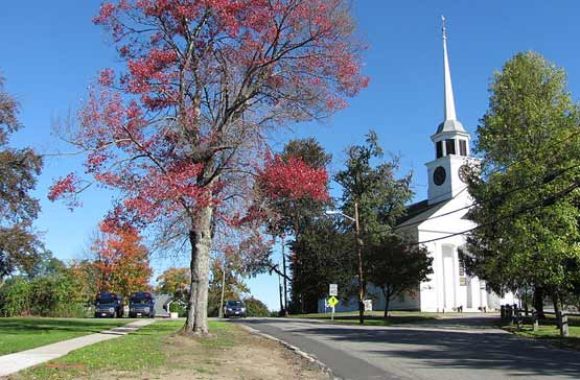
x=158 y=351
x=19 y=334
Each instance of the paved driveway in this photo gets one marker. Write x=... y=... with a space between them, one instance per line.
x=444 y=350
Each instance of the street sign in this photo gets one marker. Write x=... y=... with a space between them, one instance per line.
x=333 y=301
x=368 y=305
x=333 y=290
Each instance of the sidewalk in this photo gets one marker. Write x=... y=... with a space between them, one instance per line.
x=18 y=361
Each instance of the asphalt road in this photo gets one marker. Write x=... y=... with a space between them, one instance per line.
x=447 y=350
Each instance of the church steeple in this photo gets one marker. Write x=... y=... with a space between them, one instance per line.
x=450 y=122
x=449 y=100
x=451 y=142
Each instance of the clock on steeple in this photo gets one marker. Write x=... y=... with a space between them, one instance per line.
x=439 y=175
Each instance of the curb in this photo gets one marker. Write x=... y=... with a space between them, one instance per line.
x=310 y=358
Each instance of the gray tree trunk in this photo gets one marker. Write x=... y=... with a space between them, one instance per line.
x=200 y=239
x=387 y=295
x=539 y=301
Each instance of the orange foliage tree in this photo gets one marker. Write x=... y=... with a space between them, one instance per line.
x=175 y=281
x=122 y=261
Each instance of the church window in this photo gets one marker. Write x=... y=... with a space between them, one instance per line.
x=450 y=146
x=463 y=147
x=439 y=148
x=461 y=267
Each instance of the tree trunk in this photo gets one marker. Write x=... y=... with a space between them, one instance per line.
x=539 y=301
x=222 y=296
x=387 y=303
x=281 y=299
x=556 y=301
x=200 y=240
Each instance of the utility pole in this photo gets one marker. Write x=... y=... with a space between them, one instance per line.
x=361 y=287
x=280 y=287
x=285 y=278
x=359 y=253
x=221 y=308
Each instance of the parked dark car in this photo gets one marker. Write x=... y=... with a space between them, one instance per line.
x=234 y=309
x=142 y=304
x=108 y=305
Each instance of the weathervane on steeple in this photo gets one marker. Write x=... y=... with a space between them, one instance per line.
x=443 y=27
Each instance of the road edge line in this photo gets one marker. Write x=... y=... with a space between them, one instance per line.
x=312 y=359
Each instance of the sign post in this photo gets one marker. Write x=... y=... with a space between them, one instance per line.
x=332 y=301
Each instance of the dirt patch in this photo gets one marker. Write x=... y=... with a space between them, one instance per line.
x=244 y=356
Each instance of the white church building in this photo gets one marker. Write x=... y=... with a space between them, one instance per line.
x=440 y=223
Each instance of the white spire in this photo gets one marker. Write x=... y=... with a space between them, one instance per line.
x=449 y=100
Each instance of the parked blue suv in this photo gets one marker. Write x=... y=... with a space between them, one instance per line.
x=108 y=305
x=142 y=304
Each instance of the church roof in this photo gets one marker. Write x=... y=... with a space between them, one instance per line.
x=450 y=126
x=419 y=212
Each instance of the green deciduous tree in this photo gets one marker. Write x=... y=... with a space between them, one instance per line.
x=395 y=266
x=256 y=308
x=19 y=246
x=322 y=254
x=526 y=197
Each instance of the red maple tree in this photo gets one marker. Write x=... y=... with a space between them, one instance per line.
x=178 y=131
x=293 y=179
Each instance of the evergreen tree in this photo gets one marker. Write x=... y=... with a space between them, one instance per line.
x=372 y=190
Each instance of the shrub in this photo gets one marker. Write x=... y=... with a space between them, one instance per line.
x=256 y=308
x=47 y=296
x=179 y=308
x=15 y=297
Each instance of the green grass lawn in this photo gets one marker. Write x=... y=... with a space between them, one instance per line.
x=18 y=334
x=375 y=318
x=146 y=349
x=549 y=332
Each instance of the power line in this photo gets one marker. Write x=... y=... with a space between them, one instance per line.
x=544 y=202
x=545 y=180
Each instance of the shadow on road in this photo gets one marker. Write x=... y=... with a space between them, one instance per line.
x=448 y=349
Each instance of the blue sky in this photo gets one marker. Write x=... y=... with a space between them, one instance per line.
x=50 y=52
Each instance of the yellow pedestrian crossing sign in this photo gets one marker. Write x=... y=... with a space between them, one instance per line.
x=333 y=301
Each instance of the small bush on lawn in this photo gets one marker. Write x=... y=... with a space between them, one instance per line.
x=256 y=308
x=179 y=308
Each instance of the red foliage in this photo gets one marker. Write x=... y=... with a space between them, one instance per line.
x=293 y=180
x=175 y=133
x=289 y=59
